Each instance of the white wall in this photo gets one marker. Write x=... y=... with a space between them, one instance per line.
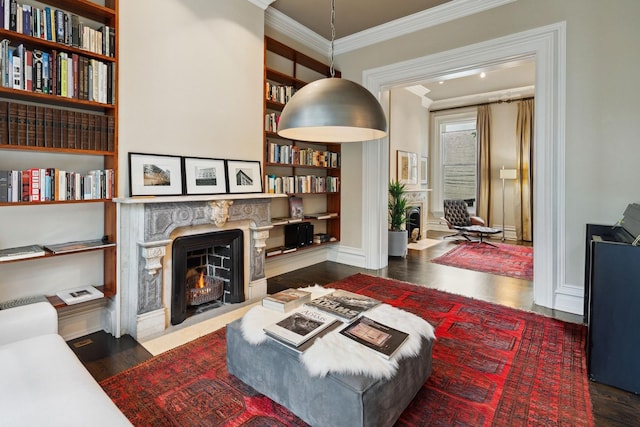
x=601 y=107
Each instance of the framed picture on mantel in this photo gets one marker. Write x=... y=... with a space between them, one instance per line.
x=155 y=175
x=204 y=176
x=424 y=170
x=244 y=176
x=407 y=167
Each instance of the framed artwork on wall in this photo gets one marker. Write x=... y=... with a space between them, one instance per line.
x=407 y=167
x=155 y=175
x=244 y=176
x=424 y=170
x=204 y=176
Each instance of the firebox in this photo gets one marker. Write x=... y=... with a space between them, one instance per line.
x=207 y=272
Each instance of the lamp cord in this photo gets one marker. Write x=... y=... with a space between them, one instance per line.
x=333 y=34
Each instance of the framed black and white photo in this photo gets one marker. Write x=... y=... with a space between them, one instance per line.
x=407 y=167
x=204 y=176
x=155 y=175
x=424 y=170
x=244 y=176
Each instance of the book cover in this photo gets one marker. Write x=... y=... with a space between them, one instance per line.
x=21 y=252
x=300 y=326
x=78 y=295
x=347 y=306
x=78 y=246
x=295 y=207
x=286 y=300
x=381 y=338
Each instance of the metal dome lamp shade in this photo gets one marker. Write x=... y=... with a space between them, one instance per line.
x=333 y=110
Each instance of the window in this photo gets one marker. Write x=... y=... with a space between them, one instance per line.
x=456 y=148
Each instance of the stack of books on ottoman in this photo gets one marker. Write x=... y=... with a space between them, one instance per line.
x=312 y=318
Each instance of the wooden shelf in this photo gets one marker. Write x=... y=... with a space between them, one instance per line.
x=301 y=249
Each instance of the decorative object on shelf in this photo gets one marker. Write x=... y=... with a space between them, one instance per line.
x=333 y=110
x=78 y=295
x=424 y=170
x=155 y=175
x=244 y=176
x=407 y=167
x=296 y=208
x=204 y=176
x=504 y=175
x=398 y=240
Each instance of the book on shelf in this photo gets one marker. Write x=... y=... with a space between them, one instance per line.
x=286 y=300
x=300 y=326
x=273 y=252
x=21 y=252
x=83 y=245
x=78 y=295
x=296 y=209
x=344 y=305
x=321 y=238
x=322 y=215
x=381 y=338
x=284 y=221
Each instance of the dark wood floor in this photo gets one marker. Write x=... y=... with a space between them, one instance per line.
x=104 y=355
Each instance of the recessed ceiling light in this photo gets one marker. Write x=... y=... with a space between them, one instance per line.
x=483 y=75
x=441 y=82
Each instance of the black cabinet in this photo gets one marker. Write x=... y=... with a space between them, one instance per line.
x=612 y=307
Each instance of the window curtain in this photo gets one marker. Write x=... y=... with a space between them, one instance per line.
x=524 y=183
x=483 y=125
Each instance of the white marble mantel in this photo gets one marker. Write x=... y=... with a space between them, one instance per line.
x=420 y=197
x=147 y=227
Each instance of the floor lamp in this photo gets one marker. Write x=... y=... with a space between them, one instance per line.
x=504 y=175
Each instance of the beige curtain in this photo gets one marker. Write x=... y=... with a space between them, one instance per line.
x=524 y=184
x=483 y=125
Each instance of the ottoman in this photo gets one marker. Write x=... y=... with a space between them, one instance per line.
x=334 y=400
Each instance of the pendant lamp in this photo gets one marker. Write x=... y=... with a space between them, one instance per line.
x=332 y=110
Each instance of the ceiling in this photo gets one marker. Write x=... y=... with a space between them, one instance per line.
x=355 y=16
x=351 y=16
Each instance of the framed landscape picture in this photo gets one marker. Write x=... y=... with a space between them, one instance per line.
x=244 y=176
x=407 y=167
x=204 y=176
x=155 y=175
x=424 y=170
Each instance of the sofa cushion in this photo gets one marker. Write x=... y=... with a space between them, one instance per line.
x=43 y=383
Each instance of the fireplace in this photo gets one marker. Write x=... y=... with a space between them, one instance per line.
x=413 y=222
x=207 y=272
x=151 y=233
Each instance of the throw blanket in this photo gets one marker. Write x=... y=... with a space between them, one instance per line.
x=338 y=354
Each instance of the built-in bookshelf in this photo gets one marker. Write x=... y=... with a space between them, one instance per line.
x=59 y=120
x=308 y=171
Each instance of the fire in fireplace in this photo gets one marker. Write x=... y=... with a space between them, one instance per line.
x=207 y=272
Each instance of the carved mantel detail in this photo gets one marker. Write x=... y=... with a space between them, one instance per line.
x=220 y=211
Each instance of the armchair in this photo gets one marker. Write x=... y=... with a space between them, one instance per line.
x=457 y=217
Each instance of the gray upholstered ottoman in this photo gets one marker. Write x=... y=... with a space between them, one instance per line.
x=334 y=400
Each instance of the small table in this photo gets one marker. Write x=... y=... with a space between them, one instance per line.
x=333 y=400
x=481 y=232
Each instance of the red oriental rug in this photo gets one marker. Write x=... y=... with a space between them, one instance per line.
x=503 y=260
x=492 y=366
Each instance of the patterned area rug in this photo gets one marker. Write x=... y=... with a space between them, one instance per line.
x=503 y=260
x=492 y=366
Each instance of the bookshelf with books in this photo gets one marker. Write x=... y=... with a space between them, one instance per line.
x=308 y=171
x=58 y=131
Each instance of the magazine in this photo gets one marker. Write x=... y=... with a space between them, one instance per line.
x=78 y=246
x=384 y=339
x=286 y=300
x=300 y=326
x=345 y=305
x=78 y=295
x=21 y=252
x=305 y=345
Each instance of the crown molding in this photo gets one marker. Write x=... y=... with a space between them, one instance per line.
x=262 y=4
x=505 y=95
x=418 y=21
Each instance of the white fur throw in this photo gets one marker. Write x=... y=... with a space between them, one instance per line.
x=336 y=353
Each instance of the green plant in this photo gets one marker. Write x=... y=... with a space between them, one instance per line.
x=397 y=206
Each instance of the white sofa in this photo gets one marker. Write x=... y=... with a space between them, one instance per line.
x=42 y=382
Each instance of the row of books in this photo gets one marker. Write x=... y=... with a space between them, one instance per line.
x=39 y=126
x=53 y=184
x=57 y=26
x=271 y=121
x=339 y=309
x=57 y=73
x=32 y=251
x=301 y=184
x=278 y=93
x=294 y=155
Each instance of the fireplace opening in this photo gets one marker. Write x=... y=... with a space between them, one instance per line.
x=413 y=223
x=207 y=272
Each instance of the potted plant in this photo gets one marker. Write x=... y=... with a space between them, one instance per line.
x=398 y=239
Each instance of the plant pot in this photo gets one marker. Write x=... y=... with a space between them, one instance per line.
x=398 y=243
